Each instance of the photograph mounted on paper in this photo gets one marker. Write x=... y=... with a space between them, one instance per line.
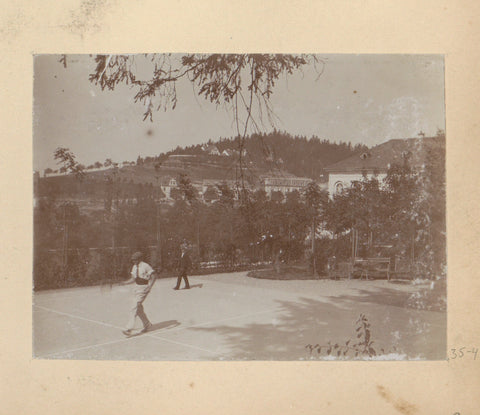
x=206 y=207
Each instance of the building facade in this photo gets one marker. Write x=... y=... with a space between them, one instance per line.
x=378 y=160
x=284 y=184
x=167 y=184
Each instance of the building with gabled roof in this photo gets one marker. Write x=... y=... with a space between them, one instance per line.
x=212 y=150
x=379 y=159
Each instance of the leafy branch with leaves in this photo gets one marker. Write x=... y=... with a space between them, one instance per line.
x=242 y=83
x=361 y=347
x=70 y=165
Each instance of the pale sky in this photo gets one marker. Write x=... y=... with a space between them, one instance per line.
x=365 y=99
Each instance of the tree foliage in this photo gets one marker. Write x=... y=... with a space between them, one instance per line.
x=70 y=165
x=234 y=79
x=406 y=210
x=241 y=83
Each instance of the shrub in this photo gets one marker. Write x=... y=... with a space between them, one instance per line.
x=361 y=347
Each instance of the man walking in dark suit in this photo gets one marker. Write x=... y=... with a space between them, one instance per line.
x=184 y=266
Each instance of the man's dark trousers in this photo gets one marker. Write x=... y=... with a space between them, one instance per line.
x=185 y=263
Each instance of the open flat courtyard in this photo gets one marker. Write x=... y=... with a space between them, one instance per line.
x=235 y=317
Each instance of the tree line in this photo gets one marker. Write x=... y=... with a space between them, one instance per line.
x=298 y=155
x=404 y=214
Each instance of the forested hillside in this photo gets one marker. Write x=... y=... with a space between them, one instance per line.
x=298 y=155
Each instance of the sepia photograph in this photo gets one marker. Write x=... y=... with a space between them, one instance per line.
x=239 y=207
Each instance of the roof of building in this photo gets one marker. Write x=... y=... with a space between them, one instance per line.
x=212 y=147
x=382 y=156
x=287 y=181
x=277 y=173
x=165 y=181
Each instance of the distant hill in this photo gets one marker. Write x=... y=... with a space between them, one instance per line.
x=396 y=151
x=277 y=153
x=296 y=155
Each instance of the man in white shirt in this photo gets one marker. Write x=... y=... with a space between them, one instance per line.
x=143 y=276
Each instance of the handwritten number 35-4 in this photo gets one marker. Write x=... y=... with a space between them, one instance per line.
x=459 y=353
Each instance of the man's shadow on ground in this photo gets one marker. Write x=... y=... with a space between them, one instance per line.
x=170 y=324
x=196 y=286
x=191 y=286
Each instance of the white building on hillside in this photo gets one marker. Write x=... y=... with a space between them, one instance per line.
x=212 y=150
x=378 y=160
x=167 y=184
x=284 y=184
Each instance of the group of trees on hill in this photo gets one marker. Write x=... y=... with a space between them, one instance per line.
x=295 y=155
x=298 y=155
